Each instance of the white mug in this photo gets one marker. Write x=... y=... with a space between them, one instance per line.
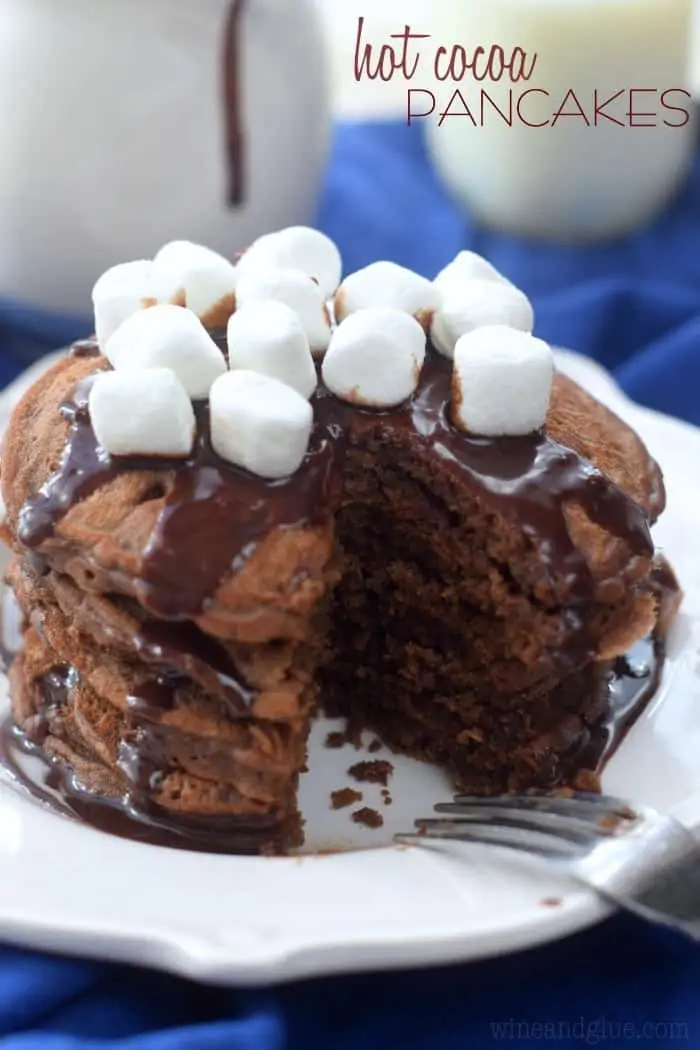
x=128 y=123
x=572 y=180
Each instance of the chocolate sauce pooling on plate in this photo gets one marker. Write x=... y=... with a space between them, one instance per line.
x=54 y=785
x=633 y=680
x=30 y=771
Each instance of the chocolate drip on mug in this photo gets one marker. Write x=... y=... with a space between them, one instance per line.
x=233 y=104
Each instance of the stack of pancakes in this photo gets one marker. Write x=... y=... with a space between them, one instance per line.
x=466 y=599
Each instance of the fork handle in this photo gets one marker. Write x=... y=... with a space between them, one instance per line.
x=662 y=886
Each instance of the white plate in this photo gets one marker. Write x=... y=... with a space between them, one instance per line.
x=238 y=920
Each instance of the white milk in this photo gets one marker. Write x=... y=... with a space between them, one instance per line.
x=113 y=132
x=569 y=182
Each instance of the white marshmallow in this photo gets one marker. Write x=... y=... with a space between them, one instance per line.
x=299 y=292
x=502 y=382
x=384 y=284
x=168 y=337
x=144 y=413
x=480 y=303
x=209 y=280
x=465 y=267
x=259 y=423
x=296 y=248
x=127 y=288
x=268 y=337
x=375 y=358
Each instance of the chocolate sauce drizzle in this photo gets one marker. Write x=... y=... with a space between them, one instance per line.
x=181 y=650
x=212 y=518
x=528 y=480
x=151 y=699
x=215 y=514
x=632 y=681
x=233 y=104
x=84 y=467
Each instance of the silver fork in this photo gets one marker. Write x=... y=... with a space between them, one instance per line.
x=644 y=862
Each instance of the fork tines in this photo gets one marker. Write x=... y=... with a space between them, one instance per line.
x=546 y=824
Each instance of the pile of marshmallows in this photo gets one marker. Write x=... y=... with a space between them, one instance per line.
x=279 y=302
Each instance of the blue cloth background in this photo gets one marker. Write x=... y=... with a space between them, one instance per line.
x=635 y=306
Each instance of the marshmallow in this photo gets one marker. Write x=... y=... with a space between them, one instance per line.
x=127 y=288
x=259 y=423
x=375 y=358
x=209 y=280
x=268 y=337
x=466 y=266
x=480 y=303
x=296 y=248
x=384 y=284
x=502 y=382
x=299 y=292
x=168 y=337
x=144 y=413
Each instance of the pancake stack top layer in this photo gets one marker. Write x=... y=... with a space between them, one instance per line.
x=209 y=523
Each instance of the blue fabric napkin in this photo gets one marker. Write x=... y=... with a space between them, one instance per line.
x=635 y=306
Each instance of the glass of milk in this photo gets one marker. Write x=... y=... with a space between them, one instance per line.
x=600 y=168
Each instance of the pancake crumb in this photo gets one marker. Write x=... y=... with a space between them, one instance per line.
x=369 y=817
x=345 y=797
x=377 y=772
x=352 y=734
